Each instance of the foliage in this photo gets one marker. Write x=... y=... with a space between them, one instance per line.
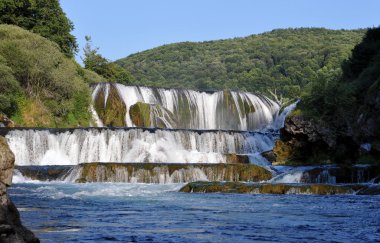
x=283 y=60
x=41 y=82
x=44 y=17
x=110 y=71
x=337 y=99
x=9 y=89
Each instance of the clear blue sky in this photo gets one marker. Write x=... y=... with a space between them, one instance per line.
x=123 y=27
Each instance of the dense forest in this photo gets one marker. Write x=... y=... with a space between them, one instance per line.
x=284 y=60
x=339 y=119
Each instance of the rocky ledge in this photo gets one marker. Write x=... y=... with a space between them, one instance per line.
x=256 y=188
x=11 y=229
x=306 y=141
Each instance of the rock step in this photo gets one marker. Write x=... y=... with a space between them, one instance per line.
x=255 y=188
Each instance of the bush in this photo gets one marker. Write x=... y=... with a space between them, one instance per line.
x=46 y=76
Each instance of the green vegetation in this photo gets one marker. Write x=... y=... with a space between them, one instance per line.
x=40 y=86
x=43 y=17
x=108 y=70
x=343 y=109
x=285 y=61
x=341 y=100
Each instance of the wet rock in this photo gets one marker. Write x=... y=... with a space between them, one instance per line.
x=45 y=173
x=140 y=114
x=371 y=190
x=113 y=110
x=341 y=174
x=269 y=155
x=7 y=160
x=11 y=229
x=237 y=159
x=238 y=187
x=169 y=173
x=305 y=141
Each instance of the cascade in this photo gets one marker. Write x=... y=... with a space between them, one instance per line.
x=74 y=146
x=120 y=105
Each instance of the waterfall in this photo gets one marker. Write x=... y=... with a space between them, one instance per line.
x=162 y=173
x=74 y=146
x=189 y=109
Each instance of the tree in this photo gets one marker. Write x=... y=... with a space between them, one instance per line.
x=95 y=62
x=44 y=17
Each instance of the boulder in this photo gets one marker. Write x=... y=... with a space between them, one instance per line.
x=7 y=160
x=11 y=229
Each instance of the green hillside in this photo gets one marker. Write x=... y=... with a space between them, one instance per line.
x=285 y=60
x=39 y=85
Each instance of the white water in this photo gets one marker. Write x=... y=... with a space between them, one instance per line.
x=159 y=175
x=19 y=178
x=205 y=110
x=42 y=147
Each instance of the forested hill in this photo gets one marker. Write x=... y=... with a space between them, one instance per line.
x=285 y=60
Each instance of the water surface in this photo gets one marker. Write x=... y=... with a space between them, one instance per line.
x=64 y=212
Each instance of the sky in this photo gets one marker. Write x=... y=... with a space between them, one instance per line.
x=123 y=27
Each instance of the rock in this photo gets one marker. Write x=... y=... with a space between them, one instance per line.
x=7 y=160
x=113 y=110
x=237 y=159
x=238 y=187
x=45 y=173
x=5 y=121
x=11 y=229
x=371 y=190
x=169 y=173
x=140 y=114
x=342 y=174
x=305 y=141
x=269 y=155
x=151 y=115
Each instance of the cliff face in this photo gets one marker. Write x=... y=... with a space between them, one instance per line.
x=306 y=141
x=11 y=229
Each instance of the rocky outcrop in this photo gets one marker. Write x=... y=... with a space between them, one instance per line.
x=110 y=107
x=11 y=229
x=238 y=187
x=305 y=141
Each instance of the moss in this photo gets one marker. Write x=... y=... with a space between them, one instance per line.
x=238 y=187
x=113 y=112
x=183 y=111
x=81 y=180
x=237 y=159
x=274 y=189
x=224 y=172
x=140 y=114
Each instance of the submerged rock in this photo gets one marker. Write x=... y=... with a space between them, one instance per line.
x=45 y=173
x=11 y=229
x=371 y=190
x=250 y=188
